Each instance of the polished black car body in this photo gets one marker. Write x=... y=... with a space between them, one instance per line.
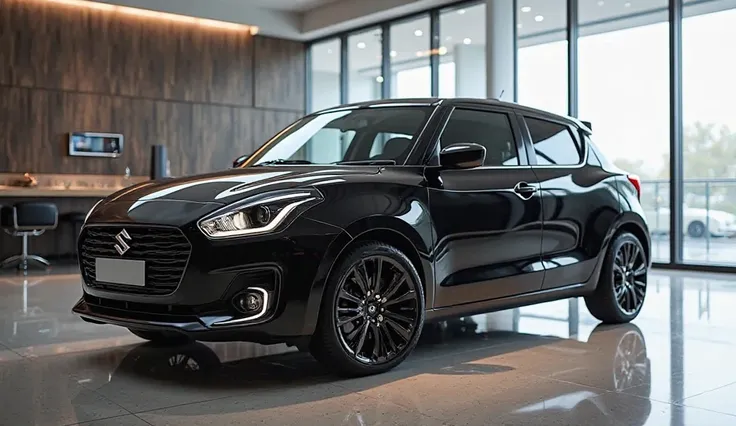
x=480 y=237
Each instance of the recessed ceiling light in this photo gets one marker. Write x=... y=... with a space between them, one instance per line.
x=539 y=18
x=519 y=25
x=526 y=9
x=467 y=41
x=443 y=50
x=418 y=33
x=329 y=51
x=393 y=53
x=379 y=79
x=627 y=4
x=361 y=45
x=601 y=3
x=461 y=12
x=448 y=38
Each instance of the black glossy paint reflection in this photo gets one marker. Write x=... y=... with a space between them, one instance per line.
x=481 y=239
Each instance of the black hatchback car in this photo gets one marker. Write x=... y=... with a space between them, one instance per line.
x=353 y=226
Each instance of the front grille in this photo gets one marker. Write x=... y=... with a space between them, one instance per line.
x=165 y=251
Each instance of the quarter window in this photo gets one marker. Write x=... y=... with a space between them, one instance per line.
x=490 y=129
x=553 y=143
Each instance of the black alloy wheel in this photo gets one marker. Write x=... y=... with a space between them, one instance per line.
x=372 y=311
x=376 y=310
x=629 y=277
x=622 y=284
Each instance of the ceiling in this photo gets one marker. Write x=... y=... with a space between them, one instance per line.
x=538 y=21
x=287 y=5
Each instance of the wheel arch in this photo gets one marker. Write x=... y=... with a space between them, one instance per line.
x=626 y=222
x=385 y=229
x=639 y=230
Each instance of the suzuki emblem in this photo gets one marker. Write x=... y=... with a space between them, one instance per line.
x=122 y=246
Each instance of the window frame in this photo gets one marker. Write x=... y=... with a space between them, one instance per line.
x=582 y=146
x=433 y=151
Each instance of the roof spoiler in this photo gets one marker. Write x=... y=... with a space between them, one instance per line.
x=587 y=124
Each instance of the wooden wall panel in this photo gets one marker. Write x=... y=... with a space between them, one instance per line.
x=280 y=74
x=56 y=46
x=200 y=138
x=190 y=88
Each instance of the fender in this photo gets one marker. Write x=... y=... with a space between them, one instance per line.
x=359 y=230
x=631 y=222
x=635 y=223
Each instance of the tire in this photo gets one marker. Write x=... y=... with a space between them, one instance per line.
x=616 y=279
x=162 y=337
x=334 y=341
x=696 y=229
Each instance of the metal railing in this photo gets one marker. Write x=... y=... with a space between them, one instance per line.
x=712 y=195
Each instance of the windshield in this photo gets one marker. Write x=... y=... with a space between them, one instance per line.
x=382 y=135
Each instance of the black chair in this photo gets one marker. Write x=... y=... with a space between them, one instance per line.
x=75 y=220
x=28 y=219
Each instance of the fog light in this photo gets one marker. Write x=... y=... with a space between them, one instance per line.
x=251 y=301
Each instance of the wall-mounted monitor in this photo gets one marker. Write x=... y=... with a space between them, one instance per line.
x=90 y=144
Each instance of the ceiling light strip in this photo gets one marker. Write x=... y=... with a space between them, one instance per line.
x=203 y=22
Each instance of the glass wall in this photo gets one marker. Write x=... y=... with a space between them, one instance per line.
x=622 y=61
x=365 y=79
x=462 y=70
x=709 y=143
x=623 y=90
x=542 y=54
x=409 y=58
x=324 y=75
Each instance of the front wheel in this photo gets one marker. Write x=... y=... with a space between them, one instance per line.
x=372 y=311
x=622 y=284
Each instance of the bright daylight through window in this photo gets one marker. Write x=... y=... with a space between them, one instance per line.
x=623 y=89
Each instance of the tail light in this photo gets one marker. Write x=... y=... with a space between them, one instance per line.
x=636 y=181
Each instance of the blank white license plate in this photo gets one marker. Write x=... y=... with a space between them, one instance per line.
x=120 y=271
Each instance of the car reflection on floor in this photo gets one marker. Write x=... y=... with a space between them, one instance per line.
x=451 y=348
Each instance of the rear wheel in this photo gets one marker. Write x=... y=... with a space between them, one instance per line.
x=372 y=311
x=163 y=337
x=623 y=282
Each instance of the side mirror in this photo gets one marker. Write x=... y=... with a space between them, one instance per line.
x=462 y=156
x=240 y=161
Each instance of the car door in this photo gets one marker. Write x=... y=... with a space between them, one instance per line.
x=579 y=199
x=488 y=220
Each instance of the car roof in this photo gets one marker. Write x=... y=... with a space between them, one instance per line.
x=453 y=102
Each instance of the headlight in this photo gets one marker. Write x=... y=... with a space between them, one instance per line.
x=260 y=214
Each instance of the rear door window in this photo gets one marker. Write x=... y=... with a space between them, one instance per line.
x=554 y=144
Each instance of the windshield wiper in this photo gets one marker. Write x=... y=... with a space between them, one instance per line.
x=368 y=162
x=282 y=161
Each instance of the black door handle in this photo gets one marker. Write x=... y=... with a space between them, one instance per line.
x=524 y=190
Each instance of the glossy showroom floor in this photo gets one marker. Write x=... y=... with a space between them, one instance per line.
x=544 y=365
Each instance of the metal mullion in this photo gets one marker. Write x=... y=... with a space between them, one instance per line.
x=386 y=60
x=572 y=57
x=676 y=132
x=434 y=47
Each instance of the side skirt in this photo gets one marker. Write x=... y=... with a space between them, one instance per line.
x=547 y=295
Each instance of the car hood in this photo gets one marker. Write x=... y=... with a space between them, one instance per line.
x=235 y=184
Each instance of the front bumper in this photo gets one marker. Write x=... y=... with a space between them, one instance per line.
x=216 y=271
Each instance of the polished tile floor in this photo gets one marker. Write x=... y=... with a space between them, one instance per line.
x=549 y=364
